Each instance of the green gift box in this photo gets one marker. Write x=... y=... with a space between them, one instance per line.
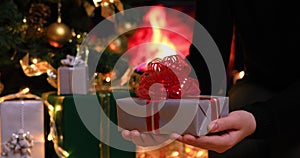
x=80 y=138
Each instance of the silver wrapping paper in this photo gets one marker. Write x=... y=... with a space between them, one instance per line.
x=72 y=80
x=33 y=119
x=193 y=117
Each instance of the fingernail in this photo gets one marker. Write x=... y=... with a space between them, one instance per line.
x=174 y=136
x=213 y=126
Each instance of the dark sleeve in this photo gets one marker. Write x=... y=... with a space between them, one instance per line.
x=215 y=16
x=279 y=115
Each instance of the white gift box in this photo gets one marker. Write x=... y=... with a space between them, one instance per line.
x=73 y=80
x=27 y=115
x=184 y=116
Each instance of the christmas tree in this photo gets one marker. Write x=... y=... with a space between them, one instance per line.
x=29 y=29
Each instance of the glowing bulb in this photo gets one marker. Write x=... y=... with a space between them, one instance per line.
x=50 y=137
x=25 y=90
x=241 y=74
x=111 y=1
x=66 y=154
x=24 y=20
x=200 y=153
x=175 y=153
x=50 y=107
x=187 y=150
x=107 y=79
x=58 y=108
x=105 y=4
x=97 y=2
x=34 y=60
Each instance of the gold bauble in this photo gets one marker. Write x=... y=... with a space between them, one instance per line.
x=58 y=34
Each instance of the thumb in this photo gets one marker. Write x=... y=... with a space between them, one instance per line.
x=223 y=124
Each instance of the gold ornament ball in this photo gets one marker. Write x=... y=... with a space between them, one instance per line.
x=58 y=34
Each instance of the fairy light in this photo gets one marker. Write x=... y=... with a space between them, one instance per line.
x=241 y=74
x=105 y=4
x=25 y=90
x=58 y=108
x=65 y=153
x=175 y=154
x=187 y=150
x=107 y=79
x=97 y=2
x=50 y=137
x=34 y=60
x=200 y=153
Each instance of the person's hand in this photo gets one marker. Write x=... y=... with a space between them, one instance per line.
x=145 y=139
x=224 y=132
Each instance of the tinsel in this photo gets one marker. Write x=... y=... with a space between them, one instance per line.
x=53 y=136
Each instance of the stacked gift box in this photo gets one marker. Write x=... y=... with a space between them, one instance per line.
x=22 y=126
x=75 y=136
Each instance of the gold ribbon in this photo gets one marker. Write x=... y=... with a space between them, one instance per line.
x=53 y=134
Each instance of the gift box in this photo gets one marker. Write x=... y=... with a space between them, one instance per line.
x=72 y=77
x=72 y=134
x=169 y=101
x=184 y=116
x=72 y=80
x=22 y=128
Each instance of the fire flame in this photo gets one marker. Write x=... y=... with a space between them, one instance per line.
x=157 y=18
x=157 y=41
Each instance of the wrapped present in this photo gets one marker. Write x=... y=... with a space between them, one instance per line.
x=72 y=76
x=191 y=115
x=73 y=138
x=168 y=101
x=22 y=126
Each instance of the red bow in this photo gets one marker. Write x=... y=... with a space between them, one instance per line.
x=167 y=78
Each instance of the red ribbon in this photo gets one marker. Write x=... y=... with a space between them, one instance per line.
x=165 y=78
x=153 y=117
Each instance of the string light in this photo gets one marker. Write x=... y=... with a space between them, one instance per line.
x=25 y=90
x=61 y=153
x=187 y=150
x=175 y=154
x=200 y=153
x=58 y=108
x=34 y=60
x=241 y=74
x=107 y=79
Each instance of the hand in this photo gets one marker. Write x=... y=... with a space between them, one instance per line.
x=145 y=139
x=224 y=132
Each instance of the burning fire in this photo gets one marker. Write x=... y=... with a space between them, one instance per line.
x=157 y=41
x=157 y=18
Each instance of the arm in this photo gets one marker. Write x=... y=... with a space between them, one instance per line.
x=258 y=120
x=276 y=113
